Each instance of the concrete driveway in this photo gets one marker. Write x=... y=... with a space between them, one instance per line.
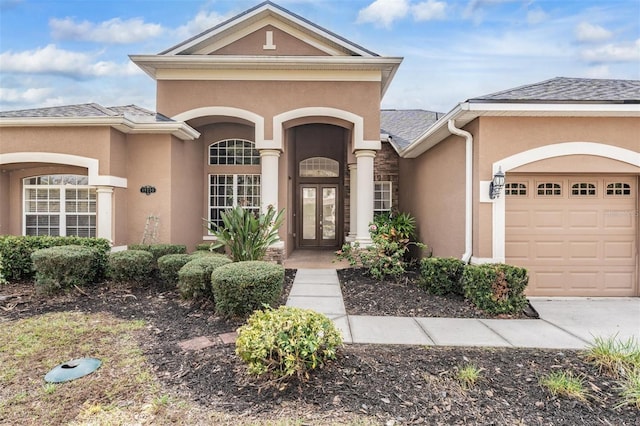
x=589 y=317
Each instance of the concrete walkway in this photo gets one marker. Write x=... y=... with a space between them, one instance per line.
x=565 y=323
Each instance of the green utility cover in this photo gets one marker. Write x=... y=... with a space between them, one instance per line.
x=72 y=370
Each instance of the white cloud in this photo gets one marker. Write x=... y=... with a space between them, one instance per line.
x=429 y=10
x=475 y=6
x=31 y=95
x=52 y=60
x=599 y=71
x=383 y=13
x=201 y=22
x=623 y=52
x=587 y=32
x=536 y=16
x=113 y=31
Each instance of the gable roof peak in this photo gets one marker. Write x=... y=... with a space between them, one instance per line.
x=260 y=12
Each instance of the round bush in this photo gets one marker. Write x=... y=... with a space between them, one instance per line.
x=287 y=342
x=194 y=278
x=441 y=275
x=159 y=250
x=240 y=288
x=170 y=264
x=131 y=266
x=496 y=288
x=64 y=266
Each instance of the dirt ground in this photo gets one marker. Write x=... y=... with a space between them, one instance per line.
x=385 y=384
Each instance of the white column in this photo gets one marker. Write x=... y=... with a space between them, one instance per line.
x=353 y=201
x=269 y=179
x=104 y=212
x=364 y=160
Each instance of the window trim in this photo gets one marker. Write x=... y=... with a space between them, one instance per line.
x=317 y=160
x=62 y=213
x=235 y=176
x=624 y=186
x=376 y=192
x=559 y=187
x=522 y=186
x=591 y=186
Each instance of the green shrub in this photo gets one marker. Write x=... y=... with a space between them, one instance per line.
x=62 y=267
x=194 y=278
x=159 y=250
x=242 y=287
x=245 y=235
x=133 y=266
x=170 y=264
x=387 y=256
x=199 y=253
x=16 y=253
x=441 y=275
x=496 y=288
x=287 y=342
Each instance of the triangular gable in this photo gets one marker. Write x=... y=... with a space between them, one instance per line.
x=269 y=30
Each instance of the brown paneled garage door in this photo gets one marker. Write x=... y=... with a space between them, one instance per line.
x=577 y=235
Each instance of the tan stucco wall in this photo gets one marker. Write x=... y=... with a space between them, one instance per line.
x=91 y=142
x=186 y=193
x=286 y=45
x=270 y=98
x=433 y=191
x=4 y=204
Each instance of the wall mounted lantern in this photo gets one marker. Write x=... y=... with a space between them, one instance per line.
x=496 y=184
x=148 y=189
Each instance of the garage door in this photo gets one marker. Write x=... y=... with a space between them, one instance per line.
x=577 y=235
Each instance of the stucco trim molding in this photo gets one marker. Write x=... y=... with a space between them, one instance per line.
x=542 y=153
x=358 y=141
x=91 y=164
x=244 y=114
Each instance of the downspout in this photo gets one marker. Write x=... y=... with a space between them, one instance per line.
x=468 y=218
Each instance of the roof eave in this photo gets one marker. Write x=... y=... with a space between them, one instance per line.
x=178 y=129
x=465 y=112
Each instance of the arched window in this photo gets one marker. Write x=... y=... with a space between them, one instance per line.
x=59 y=205
x=319 y=167
x=549 y=189
x=515 y=189
x=233 y=152
x=583 y=189
x=618 y=188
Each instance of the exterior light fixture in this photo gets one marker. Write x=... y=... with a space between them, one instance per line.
x=148 y=189
x=496 y=184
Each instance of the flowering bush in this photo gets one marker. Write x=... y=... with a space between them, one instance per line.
x=391 y=237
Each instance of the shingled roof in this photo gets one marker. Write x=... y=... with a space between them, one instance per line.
x=86 y=110
x=405 y=126
x=563 y=89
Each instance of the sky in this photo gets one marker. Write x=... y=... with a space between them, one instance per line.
x=64 y=52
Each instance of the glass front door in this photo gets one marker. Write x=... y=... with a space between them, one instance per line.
x=318 y=214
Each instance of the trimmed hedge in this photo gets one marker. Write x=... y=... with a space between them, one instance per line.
x=496 y=288
x=441 y=276
x=62 y=267
x=16 y=253
x=131 y=266
x=159 y=250
x=170 y=264
x=287 y=342
x=240 y=288
x=194 y=278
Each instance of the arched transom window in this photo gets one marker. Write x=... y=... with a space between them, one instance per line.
x=233 y=152
x=319 y=167
x=59 y=205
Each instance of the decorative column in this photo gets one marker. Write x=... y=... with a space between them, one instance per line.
x=364 y=161
x=269 y=179
x=353 y=201
x=104 y=212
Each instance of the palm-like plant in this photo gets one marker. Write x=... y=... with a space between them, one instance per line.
x=247 y=236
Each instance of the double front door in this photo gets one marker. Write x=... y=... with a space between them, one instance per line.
x=318 y=215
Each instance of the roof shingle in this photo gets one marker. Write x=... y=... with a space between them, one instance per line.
x=563 y=89
x=405 y=126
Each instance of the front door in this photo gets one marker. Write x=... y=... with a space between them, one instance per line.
x=318 y=215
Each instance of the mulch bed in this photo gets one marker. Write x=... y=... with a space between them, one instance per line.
x=389 y=384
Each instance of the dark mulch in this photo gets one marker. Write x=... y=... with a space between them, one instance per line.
x=390 y=384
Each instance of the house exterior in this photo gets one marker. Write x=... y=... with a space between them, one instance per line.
x=270 y=109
